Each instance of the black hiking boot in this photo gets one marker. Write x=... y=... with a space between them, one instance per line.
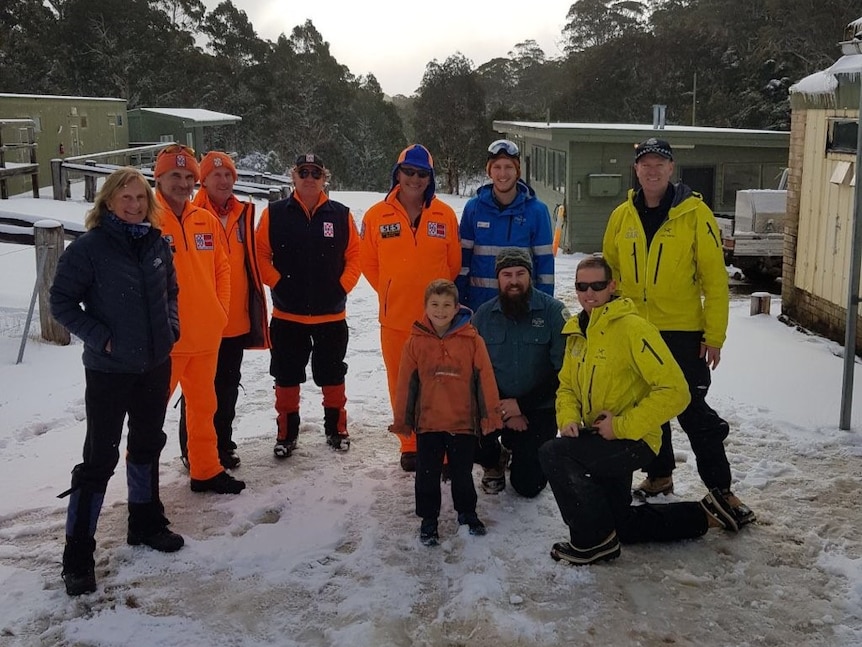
x=428 y=532
x=80 y=583
x=163 y=540
x=79 y=573
x=470 y=519
x=228 y=459
x=408 y=461
x=221 y=483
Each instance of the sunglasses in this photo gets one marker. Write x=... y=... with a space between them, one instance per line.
x=503 y=146
x=410 y=172
x=177 y=148
x=596 y=286
x=316 y=173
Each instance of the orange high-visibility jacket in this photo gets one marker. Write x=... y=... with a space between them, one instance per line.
x=399 y=262
x=203 y=274
x=247 y=314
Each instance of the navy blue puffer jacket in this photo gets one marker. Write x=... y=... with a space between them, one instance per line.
x=110 y=286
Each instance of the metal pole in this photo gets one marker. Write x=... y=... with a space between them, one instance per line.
x=853 y=290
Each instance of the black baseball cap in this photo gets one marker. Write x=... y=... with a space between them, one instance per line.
x=310 y=159
x=654 y=146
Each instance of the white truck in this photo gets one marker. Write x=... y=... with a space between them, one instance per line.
x=753 y=239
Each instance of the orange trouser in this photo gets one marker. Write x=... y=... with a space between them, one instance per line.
x=196 y=375
x=392 y=344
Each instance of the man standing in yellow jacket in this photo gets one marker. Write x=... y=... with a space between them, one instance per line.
x=664 y=247
x=247 y=314
x=408 y=240
x=203 y=274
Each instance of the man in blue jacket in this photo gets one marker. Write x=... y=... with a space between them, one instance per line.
x=522 y=328
x=504 y=213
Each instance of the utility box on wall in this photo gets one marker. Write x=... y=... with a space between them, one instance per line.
x=602 y=185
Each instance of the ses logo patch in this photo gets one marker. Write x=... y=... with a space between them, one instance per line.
x=390 y=231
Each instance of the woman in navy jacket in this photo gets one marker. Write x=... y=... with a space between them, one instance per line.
x=116 y=289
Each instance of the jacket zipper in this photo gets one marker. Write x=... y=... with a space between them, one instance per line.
x=657 y=263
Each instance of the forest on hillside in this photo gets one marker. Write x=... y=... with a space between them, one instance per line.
x=711 y=62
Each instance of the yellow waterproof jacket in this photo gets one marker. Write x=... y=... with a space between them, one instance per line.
x=621 y=365
x=680 y=283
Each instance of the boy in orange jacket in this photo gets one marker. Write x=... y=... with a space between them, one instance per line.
x=446 y=395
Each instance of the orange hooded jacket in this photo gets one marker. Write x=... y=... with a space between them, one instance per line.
x=399 y=263
x=203 y=274
x=446 y=383
x=247 y=314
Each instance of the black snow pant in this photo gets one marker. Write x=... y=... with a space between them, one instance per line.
x=525 y=475
x=431 y=446
x=108 y=398
x=591 y=479
x=705 y=429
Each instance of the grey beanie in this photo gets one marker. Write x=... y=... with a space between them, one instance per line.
x=513 y=257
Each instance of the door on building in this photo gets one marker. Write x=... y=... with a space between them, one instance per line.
x=702 y=180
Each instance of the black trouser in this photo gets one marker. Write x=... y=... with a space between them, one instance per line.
x=591 y=479
x=430 y=448
x=292 y=345
x=526 y=475
x=227 y=378
x=705 y=429
x=108 y=398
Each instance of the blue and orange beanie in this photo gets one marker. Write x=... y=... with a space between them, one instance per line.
x=417 y=156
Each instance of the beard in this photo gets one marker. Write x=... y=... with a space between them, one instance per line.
x=515 y=305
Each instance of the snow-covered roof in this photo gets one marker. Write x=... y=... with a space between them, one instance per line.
x=825 y=82
x=639 y=127
x=194 y=114
x=58 y=96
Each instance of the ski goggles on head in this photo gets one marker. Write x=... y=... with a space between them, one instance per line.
x=503 y=147
x=173 y=149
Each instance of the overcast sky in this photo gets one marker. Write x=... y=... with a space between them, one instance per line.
x=395 y=39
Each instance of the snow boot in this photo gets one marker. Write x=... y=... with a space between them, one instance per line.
x=428 y=532
x=287 y=420
x=335 y=417
x=653 y=486
x=717 y=508
x=82 y=515
x=470 y=519
x=408 y=461
x=742 y=514
x=147 y=522
x=605 y=551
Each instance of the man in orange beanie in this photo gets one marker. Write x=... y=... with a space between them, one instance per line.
x=247 y=315
x=203 y=274
x=408 y=240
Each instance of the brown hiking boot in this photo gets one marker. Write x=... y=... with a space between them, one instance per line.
x=741 y=512
x=653 y=486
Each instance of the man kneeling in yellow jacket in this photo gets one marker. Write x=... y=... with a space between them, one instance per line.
x=618 y=384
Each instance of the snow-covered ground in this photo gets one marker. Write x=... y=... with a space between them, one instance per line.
x=322 y=549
